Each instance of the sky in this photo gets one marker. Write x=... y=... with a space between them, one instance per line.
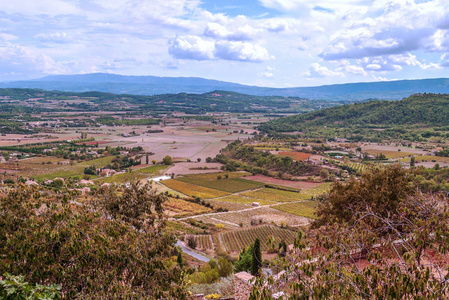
x=273 y=43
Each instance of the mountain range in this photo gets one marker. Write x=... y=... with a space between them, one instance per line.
x=153 y=85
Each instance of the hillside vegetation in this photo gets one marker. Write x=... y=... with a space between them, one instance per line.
x=386 y=118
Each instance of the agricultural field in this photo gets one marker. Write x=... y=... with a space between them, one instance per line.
x=204 y=242
x=236 y=241
x=316 y=191
x=244 y=200
x=213 y=176
x=282 y=182
x=274 y=195
x=303 y=208
x=230 y=185
x=426 y=158
x=353 y=165
x=230 y=206
x=193 y=190
x=388 y=153
x=180 y=208
x=295 y=155
x=262 y=214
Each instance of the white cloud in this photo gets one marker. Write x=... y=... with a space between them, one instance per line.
x=191 y=47
x=21 y=62
x=241 y=33
x=41 y=7
x=242 y=51
x=316 y=70
x=55 y=37
x=196 y=48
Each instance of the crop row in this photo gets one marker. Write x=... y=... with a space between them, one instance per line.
x=204 y=242
x=244 y=200
x=231 y=185
x=182 y=207
x=193 y=190
x=274 y=195
x=304 y=208
x=236 y=241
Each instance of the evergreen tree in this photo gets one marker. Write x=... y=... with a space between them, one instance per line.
x=256 y=263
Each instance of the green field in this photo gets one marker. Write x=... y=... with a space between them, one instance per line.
x=304 y=208
x=274 y=195
x=193 y=190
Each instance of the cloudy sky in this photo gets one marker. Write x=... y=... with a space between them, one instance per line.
x=276 y=43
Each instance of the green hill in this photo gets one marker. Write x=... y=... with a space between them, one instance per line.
x=415 y=114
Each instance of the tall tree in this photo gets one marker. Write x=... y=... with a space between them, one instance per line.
x=256 y=263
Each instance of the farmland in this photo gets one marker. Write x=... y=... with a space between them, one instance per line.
x=295 y=155
x=274 y=195
x=244 y=200
x=193 y=190
x=236 y=241
x=302 y=208
x=230 y=185
x=179 y=207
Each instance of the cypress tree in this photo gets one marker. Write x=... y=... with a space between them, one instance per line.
x=257 y=258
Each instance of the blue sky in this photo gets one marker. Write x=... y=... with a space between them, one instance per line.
x=276 y=43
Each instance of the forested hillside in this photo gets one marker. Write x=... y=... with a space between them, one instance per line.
x=421 y=111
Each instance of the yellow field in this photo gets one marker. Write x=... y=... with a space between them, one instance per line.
x=181 y=207
x=193 y=190
x=388 y=154
x=304 y=208
x=426 y=158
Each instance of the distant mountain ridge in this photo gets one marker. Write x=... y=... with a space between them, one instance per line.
x=154 y=85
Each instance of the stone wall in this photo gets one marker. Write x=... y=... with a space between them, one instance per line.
x=243 y=285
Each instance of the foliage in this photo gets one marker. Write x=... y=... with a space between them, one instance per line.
x=256 y=262
x=212 y=271
x=380 y=191
x=167 y=160
x=15 y=287
x=238 y=155
x=360 y=120
x=92 y=249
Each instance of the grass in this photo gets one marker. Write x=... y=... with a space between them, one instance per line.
x=69 y=171
x=304 y=208
x=231 y=185
x=193 y=190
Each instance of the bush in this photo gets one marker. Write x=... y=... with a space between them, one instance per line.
x=191 y=242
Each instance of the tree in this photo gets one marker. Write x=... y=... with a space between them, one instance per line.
x=167 y=160
x=104 y=248
x=412 y=161
x=179 y=259
x=198 y=159
x=256 y=262
x=379 y=190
